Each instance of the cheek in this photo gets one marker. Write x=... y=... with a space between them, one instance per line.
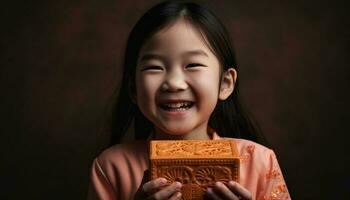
x=207 y=88
x=146 y=88
x=207 y=82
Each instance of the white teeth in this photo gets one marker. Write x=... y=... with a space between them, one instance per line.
x=180 y=106
x=177 y=105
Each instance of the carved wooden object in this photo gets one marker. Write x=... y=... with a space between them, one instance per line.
x=197 y=164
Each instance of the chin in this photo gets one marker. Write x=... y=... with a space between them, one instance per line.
x=176 y=131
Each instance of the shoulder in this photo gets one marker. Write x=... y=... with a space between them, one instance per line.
x=118 y=153
x=124 y=148
x=250 y=146
x=252 y=153
x=244 y=145
x=118 y=170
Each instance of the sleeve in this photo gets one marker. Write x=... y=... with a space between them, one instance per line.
x=273 y=184
x=100 y=188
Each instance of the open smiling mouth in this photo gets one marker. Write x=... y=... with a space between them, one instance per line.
x=177 y=107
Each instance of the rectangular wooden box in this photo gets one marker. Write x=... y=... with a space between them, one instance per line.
x=197 y=164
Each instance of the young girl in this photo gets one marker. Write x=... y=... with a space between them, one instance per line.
x=180 y=82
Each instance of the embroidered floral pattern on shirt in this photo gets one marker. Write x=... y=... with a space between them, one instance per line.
x=250 y=148
x=277 y=193
x=273 y=174
x=246 y=156
x=277 y=190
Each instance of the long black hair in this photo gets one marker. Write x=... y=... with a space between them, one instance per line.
x=229 y=118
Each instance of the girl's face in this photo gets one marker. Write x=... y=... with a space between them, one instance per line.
x=177 y=82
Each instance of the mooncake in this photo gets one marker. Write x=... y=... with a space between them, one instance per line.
x=197 y=164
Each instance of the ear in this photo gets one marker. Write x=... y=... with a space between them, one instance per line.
x=132 y=91
x=227 y=85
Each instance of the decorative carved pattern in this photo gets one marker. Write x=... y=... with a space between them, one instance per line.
x=192 y=191
x=194 y=163
x=182 y=174
x=188 y=148
x=207 y=176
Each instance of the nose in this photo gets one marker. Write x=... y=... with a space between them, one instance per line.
x=175 y=81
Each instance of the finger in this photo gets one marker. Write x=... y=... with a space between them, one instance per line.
x=176 y=196
x=166 y=192
x=211 y=194
x=224 y=192
x=154 y=185
x=239 y=190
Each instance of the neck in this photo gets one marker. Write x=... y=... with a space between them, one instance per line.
x=198 y=135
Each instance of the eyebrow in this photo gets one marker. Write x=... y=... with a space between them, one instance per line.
x=149 y=56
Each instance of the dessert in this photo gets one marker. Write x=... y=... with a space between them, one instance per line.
x=197 y=164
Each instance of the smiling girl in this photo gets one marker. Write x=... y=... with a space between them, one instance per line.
x=180 y=83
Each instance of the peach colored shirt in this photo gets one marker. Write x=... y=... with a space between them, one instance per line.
x=118 y=172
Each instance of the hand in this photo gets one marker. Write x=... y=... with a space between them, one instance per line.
x=159 y=189
x=230 y=191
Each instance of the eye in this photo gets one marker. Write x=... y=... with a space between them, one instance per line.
x=152 y=68
x=192 y=65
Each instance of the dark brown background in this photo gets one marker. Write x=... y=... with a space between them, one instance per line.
x=60 y=63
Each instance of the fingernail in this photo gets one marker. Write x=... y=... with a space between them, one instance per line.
x=209 y=190
x=163 y=180
x=219 y=184
x=178 y=194
x=178 y=184
x=232 y=183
